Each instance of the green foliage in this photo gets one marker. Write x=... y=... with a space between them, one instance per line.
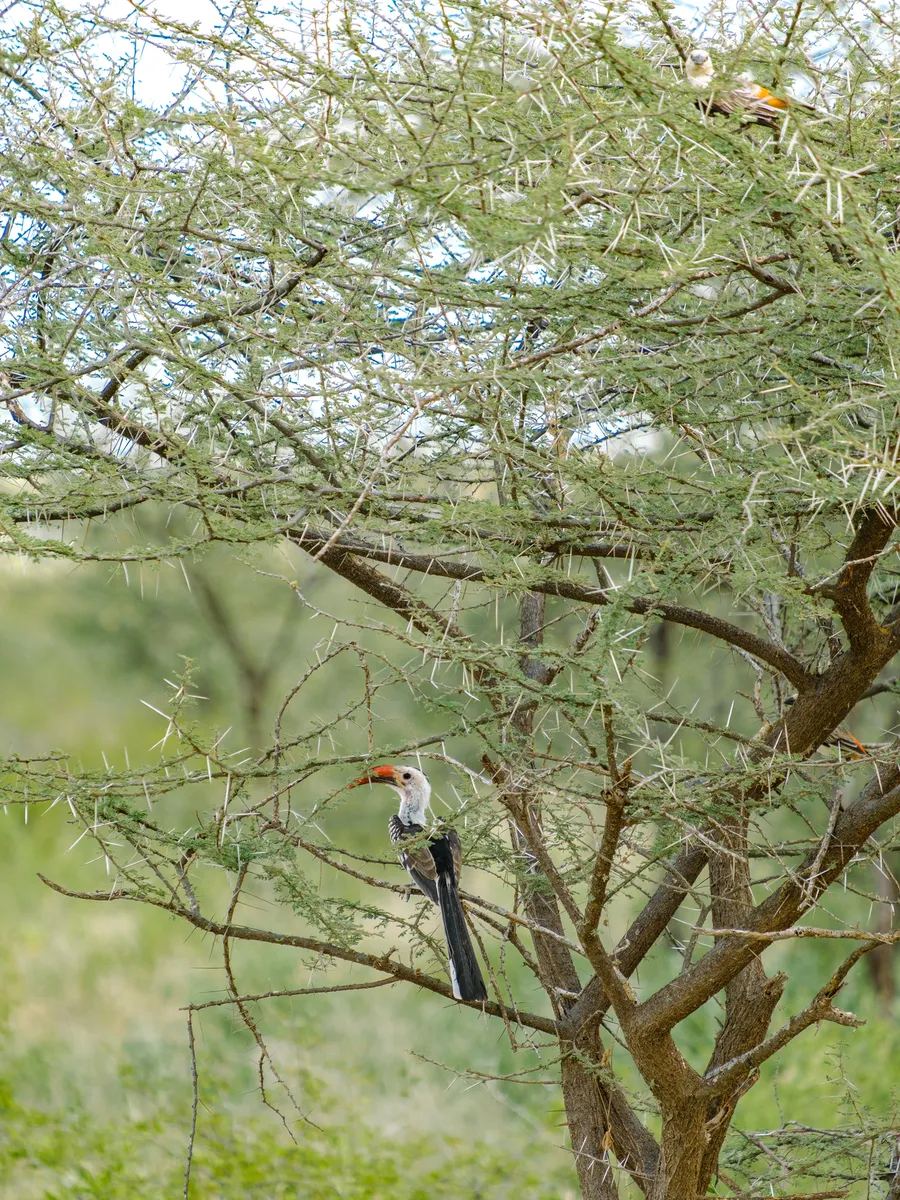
x=338 y=920
x=76 y=1156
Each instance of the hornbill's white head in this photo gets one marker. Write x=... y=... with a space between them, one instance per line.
x=410 y=784
x=698 y=69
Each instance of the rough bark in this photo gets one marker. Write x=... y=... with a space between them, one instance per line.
x=881 y=962
x=588 y=1103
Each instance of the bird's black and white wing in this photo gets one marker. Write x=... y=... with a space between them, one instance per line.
x=418 y=860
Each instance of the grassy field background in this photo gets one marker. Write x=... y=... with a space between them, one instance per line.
x=95 y=1089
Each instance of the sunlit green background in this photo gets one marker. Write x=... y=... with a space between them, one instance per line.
x=95 y=1088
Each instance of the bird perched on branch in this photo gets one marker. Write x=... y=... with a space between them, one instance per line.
x=844 y=740
x=738 y=96
x=434 y=867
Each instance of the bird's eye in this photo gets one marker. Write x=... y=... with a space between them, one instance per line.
x=407 y=775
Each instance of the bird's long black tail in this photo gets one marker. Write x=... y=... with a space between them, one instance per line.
x=465 y=975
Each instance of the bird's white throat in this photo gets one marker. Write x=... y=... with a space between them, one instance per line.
x=699 y=74
x=413 y=808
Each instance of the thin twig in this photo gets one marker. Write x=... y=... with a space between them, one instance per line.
x=195 y=1103
x=316 y=991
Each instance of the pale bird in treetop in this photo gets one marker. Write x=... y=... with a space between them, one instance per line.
x=738 y=96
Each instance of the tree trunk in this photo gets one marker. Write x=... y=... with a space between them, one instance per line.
x=587 y=1103
x=681 y=1155
x=880 y=962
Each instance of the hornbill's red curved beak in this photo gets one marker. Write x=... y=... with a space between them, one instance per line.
x=375 y=775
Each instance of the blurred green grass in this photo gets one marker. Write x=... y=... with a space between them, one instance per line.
x=95 y=1090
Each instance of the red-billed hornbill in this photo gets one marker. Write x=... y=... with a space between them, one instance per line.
x=435 y=869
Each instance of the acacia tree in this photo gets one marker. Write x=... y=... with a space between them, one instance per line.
x=479 y=312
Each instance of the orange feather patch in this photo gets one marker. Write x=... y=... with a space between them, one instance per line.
x=765 y=95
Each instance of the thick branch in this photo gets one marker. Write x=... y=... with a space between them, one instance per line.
x=612 y=830
x=767 y=652
x=820 y=1008
x=849 y=593
x=392 y=595
x=877 y=803
x=644 y=932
